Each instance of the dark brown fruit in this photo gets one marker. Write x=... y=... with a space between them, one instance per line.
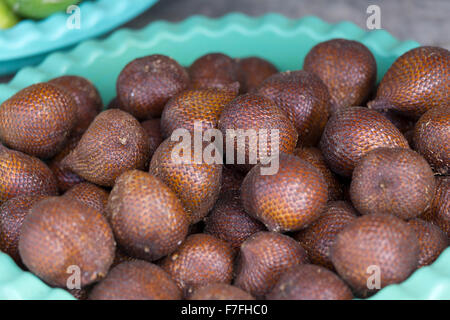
x=432 y=241
x=24 y=175
x=416 y=82
x=38 y=120
x=220 y=291
x=200 y=260
x=80 y=294
x=231 y=179
x=89 y=194
x=229 y=221
x=315 y=157
x=86 y=97
x=146 y=84
x=310 y=282
x=113 y=104
x=114 y=143
x=347 y=68
x=288 y=200
x=59 y=233
x=319 y=238
x=439 y=212
x=304 y=98
x=257 y=113
x=191 y=107
x=213 y=70
x=136 y=280
x=375 y=245
x=431 y=138
x=403 y=123
x=264 y=257
x=12 y=215
x=196 y=184
x=147 y=218
x=153 y=129
x=397 y=181
x=352 y=132
x=253 y=71
x=121 y=256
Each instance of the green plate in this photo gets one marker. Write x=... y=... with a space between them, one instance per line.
x=282 y=41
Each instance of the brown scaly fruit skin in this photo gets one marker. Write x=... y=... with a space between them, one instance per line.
x=220 y=291
x=200 y=260
x=381 y=240
x=263 y=258
x=12 y=215
x=58 y=233
x=194 y=106
x=80 y=294
x=432 y=241
x=146 y=84
x=289 y=200
x=315 y=157
x=253 y=71
x=213 y=70
x=121 y=256
x=38 y=120
x=24 y=175
x=89 y=194
x=431 y=138
x=403 y=123
x=229 y=221
x=147 y=218
x=86 y=97
x=231 y=179
x=319 y=238
x=153 y=129
x=196 y=184
x=115 y=142
x=397 y=181
x=347 y=68
x=136 y=280
x=439 y=212
x=416 y=82
x=304 y=98
x=352 y=132
x=256 y=112
x=310 y=282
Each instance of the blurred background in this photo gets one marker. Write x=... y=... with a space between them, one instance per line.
x=424 y=21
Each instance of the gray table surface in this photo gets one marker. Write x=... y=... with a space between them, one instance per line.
x=426 y=21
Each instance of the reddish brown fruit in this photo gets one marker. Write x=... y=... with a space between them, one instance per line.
x=201 y=260
x=310 y=282
x=137 y=280
x=432 y=241
x=288 y=200
x=153 y=129
x=12 y=215
x=147 y=218
x=315 y=157
x=380 y=243
x=439 y=212
x=353 y=132
x=38 y=120
x=213 y=70
x=86 y=97
x=58 y=233
x=146 y=84
x=347 y=68
x=304 y=98
x=431 y=138
x=192 y=107
x=253 y=71
x=229 y=221
x=90 y=195
x=220 y=291
x=231 y=179
x=115 y=142
x=392 y=180
x=80 y=294
x=264 y=257
x=24 y=175
x=121 y=256
x=113 y=104
x=253 y=112
x=403 y=123
x=319 y=238
x=196 y=184
x=416 y=82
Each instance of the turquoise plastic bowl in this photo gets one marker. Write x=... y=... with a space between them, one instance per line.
x=282 y=41
x=28 y=42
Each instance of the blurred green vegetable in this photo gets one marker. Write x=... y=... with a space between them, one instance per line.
x=7 y=17
x=39 y=9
